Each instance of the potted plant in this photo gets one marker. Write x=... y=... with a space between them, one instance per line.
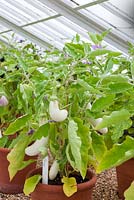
x=124 y=171
x=82 y=92
x=16 y=108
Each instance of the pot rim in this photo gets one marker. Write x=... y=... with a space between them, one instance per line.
x=3 y=149
x=59 y=188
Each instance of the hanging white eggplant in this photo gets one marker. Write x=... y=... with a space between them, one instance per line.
x=53 y=170
x=55 y=113
x=95 y=122
x=34 y=149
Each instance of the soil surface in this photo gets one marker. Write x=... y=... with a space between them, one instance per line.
x=57 y=180
x=106 y=188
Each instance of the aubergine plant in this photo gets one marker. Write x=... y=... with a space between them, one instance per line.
x=20 y=111
x=85 y=97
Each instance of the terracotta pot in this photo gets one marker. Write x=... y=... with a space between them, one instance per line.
x=53 y=192
x=16 y=185
x=125 y=175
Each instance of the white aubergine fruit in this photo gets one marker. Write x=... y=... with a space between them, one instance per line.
x=53 y=170
x=95 y=122
x=34 y=149
x=55 y=113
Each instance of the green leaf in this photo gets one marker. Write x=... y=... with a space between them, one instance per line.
x=99 y=52
x=3 y=141
x=21 y=62
x=14 y=141
x=26 y=91
x=98 y=146
x=53 y=142
x=75 y=50
x=79 y=143
x=114 y=79
x=26 y=163
x=132 y=69
x=115 y=118
x=118 y=154
x=109 y=65
x=17 y=125
x=102 y=103
x=70 y=157
x=93 y=38
x=129 y=193
x=31 y=183
x=87 y=86
x=3 y=110
x=120 y=87
x=118 y=131
x=69 y=186
x=101 y=36
x=77 y=37
x=16 y=155
x=87 y=48
x=74 y=142
x=43 y=130
x=114 y=54
x=83 y=133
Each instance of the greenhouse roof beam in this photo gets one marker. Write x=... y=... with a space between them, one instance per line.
x=59 y=15
x=24 y=33
x=3 y=41
x=116 y=39
x=116 y=11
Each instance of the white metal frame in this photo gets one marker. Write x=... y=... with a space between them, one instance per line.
x=115 y=37
x=24 y=33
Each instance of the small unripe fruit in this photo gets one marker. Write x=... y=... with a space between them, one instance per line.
x=53 y=170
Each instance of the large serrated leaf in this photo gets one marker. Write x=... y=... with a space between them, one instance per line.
x=118 y=131
x=74 y=142
x=118 y=154
x=17 y=125
x=98 y=146
x=83 y=133
x=16 y=155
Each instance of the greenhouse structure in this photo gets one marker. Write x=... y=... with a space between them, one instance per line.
x=66 y=99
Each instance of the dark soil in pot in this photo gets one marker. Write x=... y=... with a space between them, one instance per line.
x=55 y=192
x=16 y=185
x=78 y=177
x=125 y=175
